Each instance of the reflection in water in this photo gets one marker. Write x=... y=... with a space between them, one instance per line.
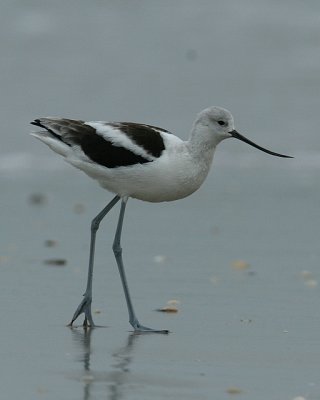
x=117 y=378
x=123 y=359
x=83 y=340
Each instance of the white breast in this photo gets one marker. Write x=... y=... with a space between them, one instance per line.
x=174 y=175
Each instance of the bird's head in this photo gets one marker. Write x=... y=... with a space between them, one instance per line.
x=219 y=122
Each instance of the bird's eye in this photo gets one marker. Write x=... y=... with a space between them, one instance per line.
x=221 y=123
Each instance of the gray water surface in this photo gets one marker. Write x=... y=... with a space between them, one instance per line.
x=240 y=256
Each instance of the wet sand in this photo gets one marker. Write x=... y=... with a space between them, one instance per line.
x=247 y=297
x=239 y=259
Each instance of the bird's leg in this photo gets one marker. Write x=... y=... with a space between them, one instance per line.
x=138 y=328
x=85 y=305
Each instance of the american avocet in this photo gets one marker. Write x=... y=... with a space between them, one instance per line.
x=140 y=161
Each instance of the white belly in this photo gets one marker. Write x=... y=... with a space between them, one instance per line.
x=170 y=177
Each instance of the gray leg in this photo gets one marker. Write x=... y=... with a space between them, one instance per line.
x=85 y=305
x=118 y=255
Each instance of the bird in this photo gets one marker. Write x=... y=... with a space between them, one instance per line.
x=139 y=161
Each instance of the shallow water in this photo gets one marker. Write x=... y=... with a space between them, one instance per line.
x=240 y=256
x=249 y=326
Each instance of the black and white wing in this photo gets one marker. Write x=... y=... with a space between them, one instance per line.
x=110 y=144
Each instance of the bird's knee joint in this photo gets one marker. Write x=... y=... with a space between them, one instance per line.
x=95 y=225
x=117 y=249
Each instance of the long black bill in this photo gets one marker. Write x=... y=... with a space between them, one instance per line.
x=237 y=135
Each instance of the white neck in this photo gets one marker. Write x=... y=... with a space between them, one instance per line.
x=202 y=140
